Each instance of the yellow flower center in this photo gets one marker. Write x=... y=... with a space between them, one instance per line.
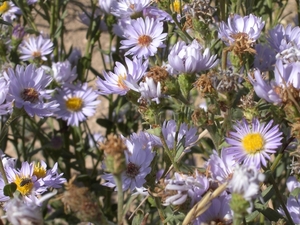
x=253 y=143
x=4 y=7
x=176 y=6
x=24 y=184
x=30 y=94
x=144 y=40
x=121 y=79
x=74 y=104
x=39 y=171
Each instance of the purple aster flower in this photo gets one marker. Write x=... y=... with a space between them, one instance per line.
x=263 y=89
x=63 y=73
x=28 y=90
x=264 y=58
x=157 y=14
x=21 y=213
x=293 y=205
x=18 y=32
x=107 y=5
x=191 y=58
x=114 y=83
x=280 y=38
x=186 y=135
x=286 y=76
x=74 y=56
x=8 y=11
x=149 y=89
x=183 y=187
x=219 y=212
x=143 y=37
x=221 y=168
x=47 y=178
x=138 y=160
x=5 y=106
x=149 y=139
x=128 y=8
x=76 y=103
x=25 y=180
x=248 y=27
x=35 y=48
x=253 y=144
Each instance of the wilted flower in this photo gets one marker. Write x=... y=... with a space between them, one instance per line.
x=143 y=37
x=191 y=58
x=253 y=144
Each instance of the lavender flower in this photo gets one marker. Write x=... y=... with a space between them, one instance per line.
x=28 y=90
x=286 y=43
x=264 y=58
x=35 y=48
x=221 y=168
x=63 y=73
x=76 y=103
x=183 y=187
x=107 y=5
x=286 y=76
x=138 y=159
x=114 y=83
x=21 y=213
x=190 y=58
x=248 y=27
x=186 y=135
x=143 y=37
x=128 y=8
x=8 y=11
x=219 y=212
x=252 y=145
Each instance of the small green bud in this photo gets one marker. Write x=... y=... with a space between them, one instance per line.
x=185 y=82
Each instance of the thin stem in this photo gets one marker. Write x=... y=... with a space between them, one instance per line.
x=118 y=180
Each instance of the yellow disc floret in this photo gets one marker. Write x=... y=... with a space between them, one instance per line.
x=39 y=171
x=74 y=104
x=24 y=184
x=175 y=7
x=253 y=143
x=4 y=7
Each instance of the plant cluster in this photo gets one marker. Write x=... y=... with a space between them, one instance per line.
x=203 y=117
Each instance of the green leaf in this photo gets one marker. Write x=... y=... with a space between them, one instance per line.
x=138 y=218
x=295 y=192
x=9 y=189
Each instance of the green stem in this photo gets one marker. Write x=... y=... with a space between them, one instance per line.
x=160 y=210
x=118 y=180
x=169 y=152
x=15 y=115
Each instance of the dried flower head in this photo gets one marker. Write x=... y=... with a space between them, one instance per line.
x=82 y=202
